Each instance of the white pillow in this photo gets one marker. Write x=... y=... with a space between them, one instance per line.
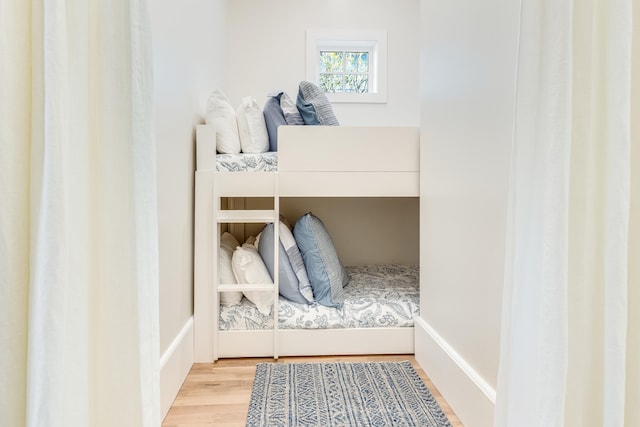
x=228 y=240
x=227 y=278
x=222 y=116
x=252 y=127
x=249 y=268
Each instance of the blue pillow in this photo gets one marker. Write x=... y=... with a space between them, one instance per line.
x=293 y=281
x=326 y=273
x=307 y=111
x=273 y=117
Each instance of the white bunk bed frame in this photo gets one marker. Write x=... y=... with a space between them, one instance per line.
x=313 y=161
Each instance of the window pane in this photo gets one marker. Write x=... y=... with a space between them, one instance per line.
x=331 y=61
x=351 y=62
x=331 y=83
x=356 y=62
x=363 y=63
x=356 y=83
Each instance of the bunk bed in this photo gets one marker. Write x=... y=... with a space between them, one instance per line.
x=312 y=161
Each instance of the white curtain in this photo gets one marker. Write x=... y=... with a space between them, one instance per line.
x=78 y=227
x=570 y=344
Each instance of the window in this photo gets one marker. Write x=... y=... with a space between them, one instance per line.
x=344 y=71
x=350 y=66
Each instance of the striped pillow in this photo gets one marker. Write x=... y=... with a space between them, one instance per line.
x=314 y=106
x=325 y=272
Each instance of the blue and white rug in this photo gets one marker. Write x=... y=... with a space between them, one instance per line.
x=342 y=394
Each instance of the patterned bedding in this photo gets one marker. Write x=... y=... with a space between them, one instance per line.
x=376 y=296
x=264 y=162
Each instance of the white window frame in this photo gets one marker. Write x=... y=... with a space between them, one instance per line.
x=351 y=40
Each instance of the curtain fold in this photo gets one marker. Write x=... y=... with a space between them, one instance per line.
x=570 y=338
x=78 y=250
x=15 y=85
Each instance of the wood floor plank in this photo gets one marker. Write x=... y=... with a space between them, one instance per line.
x=218 y=394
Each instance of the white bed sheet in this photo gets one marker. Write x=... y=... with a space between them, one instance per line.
x=376 y=296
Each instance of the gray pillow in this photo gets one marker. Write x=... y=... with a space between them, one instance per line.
x=326 y=273
x=273 y=117
x=293 y=283
x=314 y=106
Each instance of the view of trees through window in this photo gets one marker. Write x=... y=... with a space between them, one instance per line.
x=344 y=71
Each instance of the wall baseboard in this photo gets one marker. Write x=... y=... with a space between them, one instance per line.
x=175 y=364
x=466 y=392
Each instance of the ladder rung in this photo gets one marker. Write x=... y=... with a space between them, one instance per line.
x=242 y=216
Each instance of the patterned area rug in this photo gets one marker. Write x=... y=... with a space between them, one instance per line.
x=342 y=394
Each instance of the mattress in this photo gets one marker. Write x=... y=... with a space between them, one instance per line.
x=376 y=296
x=264 y=162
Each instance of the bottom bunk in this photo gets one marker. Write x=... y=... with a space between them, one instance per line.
x=380 y=304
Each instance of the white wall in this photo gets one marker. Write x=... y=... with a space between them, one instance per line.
x=365 y=230
x=267 y=51
x=188 y=50
x=467 y=90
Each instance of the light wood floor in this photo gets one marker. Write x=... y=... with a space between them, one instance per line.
x=217 y=394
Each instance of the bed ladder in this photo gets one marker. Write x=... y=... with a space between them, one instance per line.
x=245 y=216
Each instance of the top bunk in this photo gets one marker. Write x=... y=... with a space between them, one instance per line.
x=322 y=161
